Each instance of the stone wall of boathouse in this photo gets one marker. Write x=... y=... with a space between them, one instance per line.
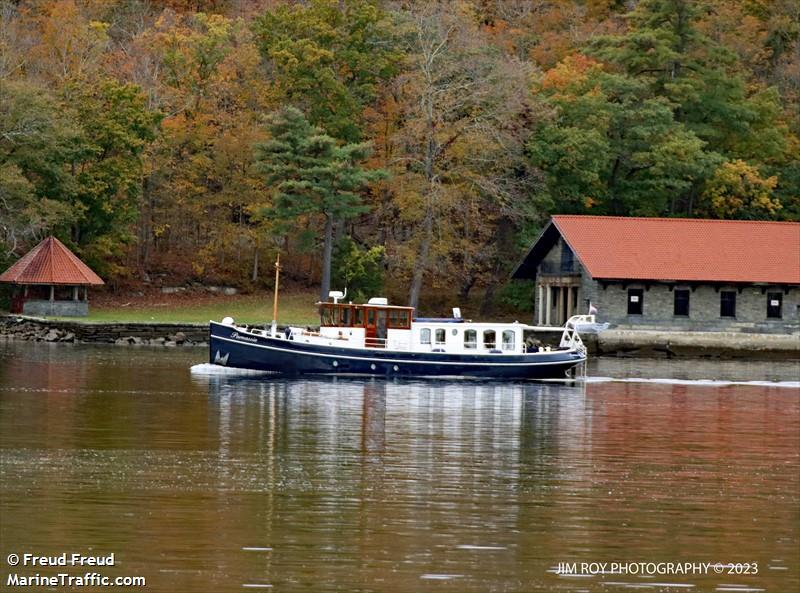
x=658 y=307
x=561 y=276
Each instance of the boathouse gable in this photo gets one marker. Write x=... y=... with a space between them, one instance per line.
x=676 y=274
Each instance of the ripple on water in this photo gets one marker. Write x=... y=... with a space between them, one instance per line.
x=213 y=482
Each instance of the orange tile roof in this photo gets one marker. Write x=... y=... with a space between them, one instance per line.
x=684 y=248
x=50 y=262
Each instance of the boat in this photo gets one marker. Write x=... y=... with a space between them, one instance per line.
x=375 y=338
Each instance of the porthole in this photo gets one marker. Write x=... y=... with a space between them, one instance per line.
x=396 y=368
x=336 y=363
x=372 y=366
x=454 y=332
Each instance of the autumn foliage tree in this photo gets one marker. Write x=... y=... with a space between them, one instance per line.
x=130 y=130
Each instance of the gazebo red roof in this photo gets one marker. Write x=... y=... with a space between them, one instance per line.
x=50 y=262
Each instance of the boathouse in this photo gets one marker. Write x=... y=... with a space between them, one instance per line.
x=667 y=273
x=50 y=280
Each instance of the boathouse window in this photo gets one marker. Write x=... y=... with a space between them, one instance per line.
x=425 y=336
x=567 y=258
x=681 y=302
x=439 y=335
x=470 y=338
x=508 y=339
x=774 y=305
x=727 y=303
x=635 y=301
x=489 y=339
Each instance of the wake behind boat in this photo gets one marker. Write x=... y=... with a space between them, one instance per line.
x=376 y=338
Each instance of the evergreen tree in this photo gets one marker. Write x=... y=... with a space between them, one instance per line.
x=609 y=147
x=701 y=81
x=329 y=56
x=312 y=175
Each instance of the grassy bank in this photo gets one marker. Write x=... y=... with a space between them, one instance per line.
x=295 y=309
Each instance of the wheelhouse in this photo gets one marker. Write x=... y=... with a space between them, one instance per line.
x=377 y=322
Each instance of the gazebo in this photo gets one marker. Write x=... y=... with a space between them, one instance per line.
x=48 y=281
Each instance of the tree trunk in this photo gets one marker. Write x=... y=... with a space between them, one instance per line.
x=466 y=286
x=327 y=255
x=422 y=260
x=255 y=263
x=487 y=304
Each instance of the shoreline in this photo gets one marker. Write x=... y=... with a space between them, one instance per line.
x=37 y=329
x=620 y=343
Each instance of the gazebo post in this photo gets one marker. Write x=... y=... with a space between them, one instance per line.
x=74 y=293
x=52 y=292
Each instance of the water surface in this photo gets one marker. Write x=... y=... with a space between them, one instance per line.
x=221 y=483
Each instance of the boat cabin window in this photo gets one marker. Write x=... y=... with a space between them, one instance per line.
x=489 y=339
x=470 y=338
x=440 y=336
x=327 y=315
x=425 y=336
x=348 y=315
x=399 y=319
x=509 y=337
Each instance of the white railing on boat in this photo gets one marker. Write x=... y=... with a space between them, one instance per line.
x=570 y=338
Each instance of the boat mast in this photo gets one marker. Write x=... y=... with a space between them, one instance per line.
x=275 y=296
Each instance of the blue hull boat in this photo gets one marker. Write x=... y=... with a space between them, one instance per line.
x=292 y=353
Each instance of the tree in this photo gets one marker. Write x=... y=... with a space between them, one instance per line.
x=36 y=144
x=328 y=57
x=359 y=270
x=460 y=182
x=610 y=147
x=201 y=193
x=737 y=190
x=107 y=167
x=312 y=175
x=700 y=80
x=69 y=46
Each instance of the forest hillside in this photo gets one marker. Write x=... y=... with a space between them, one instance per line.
x=409 y=148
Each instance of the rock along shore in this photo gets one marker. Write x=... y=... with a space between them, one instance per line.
x=17 y=327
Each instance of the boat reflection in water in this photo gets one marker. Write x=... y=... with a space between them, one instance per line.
x=493 y=484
